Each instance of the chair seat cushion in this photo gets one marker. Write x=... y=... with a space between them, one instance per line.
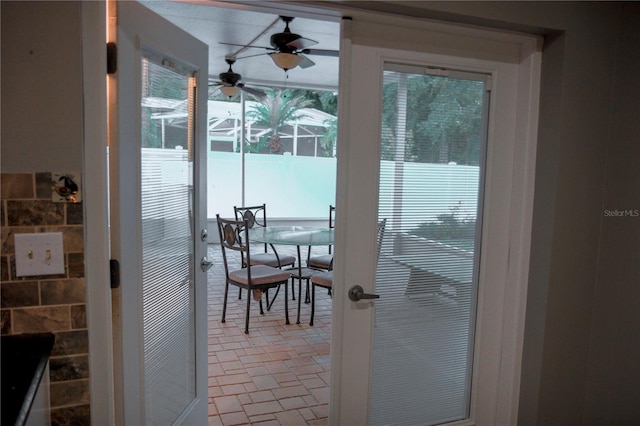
x=260 y=275
x=320 y=262
x=270 y=259
x=324 y=279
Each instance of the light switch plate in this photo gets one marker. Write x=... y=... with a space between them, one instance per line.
x=39 y=254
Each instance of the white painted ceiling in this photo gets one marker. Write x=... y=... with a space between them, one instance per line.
x=213 y=24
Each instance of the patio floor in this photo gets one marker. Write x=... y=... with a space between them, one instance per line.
x=278 y=374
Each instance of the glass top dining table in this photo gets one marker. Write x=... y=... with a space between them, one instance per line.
x=292 y=235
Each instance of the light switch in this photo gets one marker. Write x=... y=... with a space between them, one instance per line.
x=39 y=254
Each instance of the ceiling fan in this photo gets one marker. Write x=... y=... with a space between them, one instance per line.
x=230 y=82
x=288 y=49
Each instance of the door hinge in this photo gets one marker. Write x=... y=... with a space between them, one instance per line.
x=114 y=273
x=112 y=58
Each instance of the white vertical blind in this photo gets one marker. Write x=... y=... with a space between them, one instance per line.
x=431 y=167
x=167 y=243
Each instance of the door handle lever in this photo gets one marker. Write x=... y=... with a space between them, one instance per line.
x=357 y=293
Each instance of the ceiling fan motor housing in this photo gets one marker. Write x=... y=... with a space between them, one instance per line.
x=230 y=77
x=281 y=41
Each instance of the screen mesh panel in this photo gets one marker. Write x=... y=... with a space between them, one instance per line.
x=431 y=166
x=167 y=240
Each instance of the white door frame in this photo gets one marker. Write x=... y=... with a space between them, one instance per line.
x=139 y=29
x=99 y=313
x=96 y=212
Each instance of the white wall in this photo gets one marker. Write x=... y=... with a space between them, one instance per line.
x=42 y=89
x=613 y=389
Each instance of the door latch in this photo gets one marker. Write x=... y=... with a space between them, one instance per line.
x=205 y=264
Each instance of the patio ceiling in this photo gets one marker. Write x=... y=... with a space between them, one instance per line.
x=214 y=24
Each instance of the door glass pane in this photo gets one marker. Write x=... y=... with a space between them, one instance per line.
x=167 y=238
x=431 y=166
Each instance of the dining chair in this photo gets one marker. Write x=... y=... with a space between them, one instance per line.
x=323 y=261
x=325 y=279
x=256 y=279
x=257 y=216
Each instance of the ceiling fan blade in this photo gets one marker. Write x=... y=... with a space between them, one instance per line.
x=321 y=52
x=301 y=43
x=245 y=45
x=255 y=92
x=305 y=62
x=252 y=56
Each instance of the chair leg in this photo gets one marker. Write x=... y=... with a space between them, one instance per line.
x=246 y=323
x=239 y=294
x=313 y=302
x=306 y=297
x=224 y=304
x=270 y=303
x=286 y=302
x=293 y=289
x=299 y=299
x=266 y=294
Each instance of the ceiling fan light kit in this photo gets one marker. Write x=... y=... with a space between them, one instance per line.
x=229 y=91
x=230 y=83
x=286 y=61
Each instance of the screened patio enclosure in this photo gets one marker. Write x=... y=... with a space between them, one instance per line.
x=297 y=183
x=302 y=137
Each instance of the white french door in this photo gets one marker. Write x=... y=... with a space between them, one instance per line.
x=158 y=219
x=442 y=343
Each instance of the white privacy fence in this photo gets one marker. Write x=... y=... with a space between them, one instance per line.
x=295 y=187
x=303 y=187
x=291 y=186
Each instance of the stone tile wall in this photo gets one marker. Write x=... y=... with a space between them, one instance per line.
x=55 y=303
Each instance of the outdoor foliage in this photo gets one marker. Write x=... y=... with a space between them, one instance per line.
x=159 y=82
x=328 y=140
x=443 y=119
x=450 y=228
x=277 y=109
x=323 y=101
x=326 y=102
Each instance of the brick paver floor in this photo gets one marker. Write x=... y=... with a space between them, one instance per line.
x=278 y=374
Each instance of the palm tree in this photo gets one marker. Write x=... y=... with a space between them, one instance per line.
x=277 y=109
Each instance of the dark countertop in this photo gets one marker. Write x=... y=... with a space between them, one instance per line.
x=24 y=359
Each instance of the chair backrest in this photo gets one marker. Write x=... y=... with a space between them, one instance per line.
x=332 y=212
x=253 y=215
x=332 y=223
x=233 y=236
x=381 y=226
